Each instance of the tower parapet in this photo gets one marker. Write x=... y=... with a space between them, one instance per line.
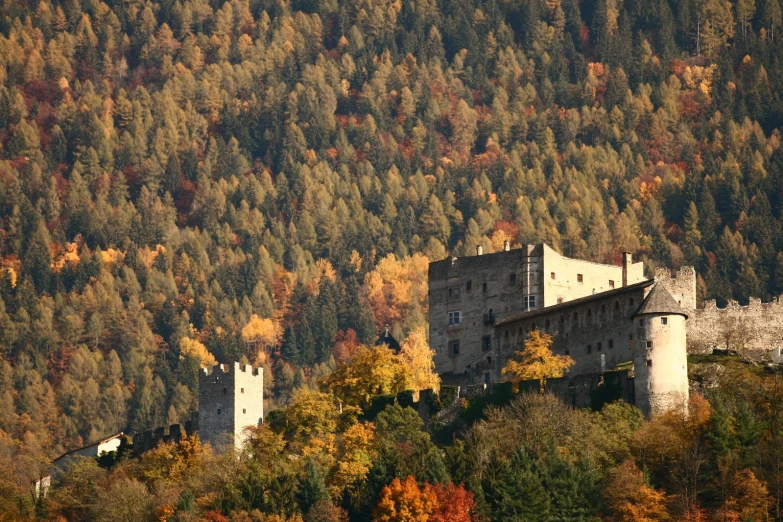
x=231 y=397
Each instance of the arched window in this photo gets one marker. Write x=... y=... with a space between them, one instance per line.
x=532 y=327
x=519 y=331
x=589 y=314
x=546 y=324
x=630 y=302
x=603 y=309
x=576 y=321
x=505 y=334
x=617 y=305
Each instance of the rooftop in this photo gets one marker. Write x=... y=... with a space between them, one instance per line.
x=578 y=302
x=660 y=301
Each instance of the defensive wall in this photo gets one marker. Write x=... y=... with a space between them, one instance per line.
x=146 y=440
x=230 y=399
x=756 y=327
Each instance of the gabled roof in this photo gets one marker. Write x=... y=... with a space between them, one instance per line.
x=573 y=303
x=660 y=301
x=96 y=443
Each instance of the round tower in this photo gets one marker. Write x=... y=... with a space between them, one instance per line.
x=660 y=358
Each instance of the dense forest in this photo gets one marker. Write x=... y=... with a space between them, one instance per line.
x=185 y=181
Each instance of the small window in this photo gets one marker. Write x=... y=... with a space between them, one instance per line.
x=454 y=348
x=630 y=302
x=552 y=275
x=598 y=347
x=546 y=324
x=512 y=279
x=649 y=362
x=630 y=337
x=529 y=301
x=649 y=344
x=589 y=348
x=486 y=343
x=242 y=390
x=559 y=300
x=489 y=360
x=484 y=287
x=611 y=343
x=641 y=322
x=611 y=284
x=579 y=278
x=469 y=286
x=455 y=317
x=219 y=411
x=225 y=391
x=617 y=305
x=568 y=352
x=244 y=410
x=664 y=320
x=589 y=314
x=505 y=334
x=533 y=327
x=519 y=331
x=454 y=291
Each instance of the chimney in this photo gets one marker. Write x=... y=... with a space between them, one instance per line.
x=627 y=260
x=479 y=250
x=506 y=245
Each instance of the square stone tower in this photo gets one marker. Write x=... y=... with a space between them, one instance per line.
x=231 y=397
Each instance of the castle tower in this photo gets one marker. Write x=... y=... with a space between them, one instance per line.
x=231 y=397
x=660 y=357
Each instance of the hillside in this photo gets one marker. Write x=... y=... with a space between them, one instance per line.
x=183 y=182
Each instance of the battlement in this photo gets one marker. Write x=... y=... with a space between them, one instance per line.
x=147 y=440
x=756 y=326
x=230 y=369
x=681 y=284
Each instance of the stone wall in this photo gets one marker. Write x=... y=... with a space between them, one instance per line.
x=681 y=284
x=147 y=440
x=757 y=327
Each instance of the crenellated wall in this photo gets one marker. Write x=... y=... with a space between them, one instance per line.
x=755 y=327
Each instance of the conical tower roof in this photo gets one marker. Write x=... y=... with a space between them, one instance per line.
x=660 y=301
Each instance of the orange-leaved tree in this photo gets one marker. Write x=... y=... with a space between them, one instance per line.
x=405 y=501
x=630 y=499
x=537 y=361
x=416 y=355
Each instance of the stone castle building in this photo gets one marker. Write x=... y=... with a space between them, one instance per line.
x=231 y=397
x=482 y=308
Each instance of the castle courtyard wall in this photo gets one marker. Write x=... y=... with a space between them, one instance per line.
x=755 y=327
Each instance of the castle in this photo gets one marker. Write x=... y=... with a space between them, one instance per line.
x=482 y=308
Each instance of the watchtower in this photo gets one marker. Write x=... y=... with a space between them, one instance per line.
x=660 y=359
x=231 y=397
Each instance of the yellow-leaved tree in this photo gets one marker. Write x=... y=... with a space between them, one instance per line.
x=370 y=372
x=537 y=361
x=416 y=355
x=260 y=335
x=194 y=348
x=397 y=290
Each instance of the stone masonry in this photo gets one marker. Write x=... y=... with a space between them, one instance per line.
x=231 y=397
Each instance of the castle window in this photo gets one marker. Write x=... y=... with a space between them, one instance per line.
x=454 y=347
x=225 y=391
x=562 y=319
x=611 y=343
x=589 y=348
x=454 y=291
x=519 y=331
x=533 y=327
x=546 y=324
x=512 y=279
x=617 y=305
x=552 y=275
x=598 y=347
x=641 y=322
x=505 y=334
x=455 y=317
x=649 y=344
x=489 y=360
x=242 y=390
x=219 y=411
x=559 y=300
x=603 y=309
x=244 y=410
x=630 y=302
x=664 y=320
x=630 y=337
x=529 y=301
x=589 y=315
x=484 y=287
x=611 y=284
x=579 y=278
x=649 y=362
x=486 y=343
x=568 y=352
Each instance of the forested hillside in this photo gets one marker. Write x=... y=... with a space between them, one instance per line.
x=190 y=181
